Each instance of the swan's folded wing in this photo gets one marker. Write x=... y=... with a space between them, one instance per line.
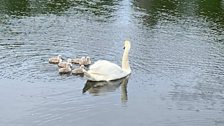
x=103 y=66
x=105 y=70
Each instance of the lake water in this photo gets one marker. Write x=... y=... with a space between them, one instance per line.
x=177 y=62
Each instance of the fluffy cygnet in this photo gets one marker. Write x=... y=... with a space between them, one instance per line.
x=85 y=61
x=55 y=59
x=88 y=60
x=63 y=64
x=79 y=70
x=65 y=70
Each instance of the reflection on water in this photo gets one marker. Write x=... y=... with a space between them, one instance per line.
x=58 y=7
x=12 y=7
x=158 y=10
x=97 y=88
x=97 y=7
x=177 y=59
x=212 y=10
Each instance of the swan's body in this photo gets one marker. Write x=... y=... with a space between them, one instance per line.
x=103 y=70
x=55 y=59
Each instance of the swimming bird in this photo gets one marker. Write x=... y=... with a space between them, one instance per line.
x=88 y=61
x=82 y=60
x=78 y=70
x=65 y=70
x=63 y=64
x=55 y=59
x=85 y=61
x=104 y=70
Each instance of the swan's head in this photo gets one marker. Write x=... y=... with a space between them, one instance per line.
x=127 y=45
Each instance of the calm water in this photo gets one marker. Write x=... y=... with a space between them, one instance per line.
x=177 y=61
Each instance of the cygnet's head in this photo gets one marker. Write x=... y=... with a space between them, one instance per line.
x=83 y=58
x=69 y=60
x=60 y=60
x=82 y=66
x=127 y=45
x=88 y=58
x=59 y=56
x=70 y=64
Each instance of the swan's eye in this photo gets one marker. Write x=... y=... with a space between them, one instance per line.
x=124 y=47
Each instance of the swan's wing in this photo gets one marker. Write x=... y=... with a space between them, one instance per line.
x=106 y=70
x=105 y=67
x=99 y=63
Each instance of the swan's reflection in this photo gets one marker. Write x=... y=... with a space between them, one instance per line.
x=97 y=88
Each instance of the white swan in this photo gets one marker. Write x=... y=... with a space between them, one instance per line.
x=103 y=70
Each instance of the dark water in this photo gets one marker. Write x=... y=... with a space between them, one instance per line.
x=177 y=61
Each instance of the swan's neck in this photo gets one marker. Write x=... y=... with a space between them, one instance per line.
x=125 y=63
